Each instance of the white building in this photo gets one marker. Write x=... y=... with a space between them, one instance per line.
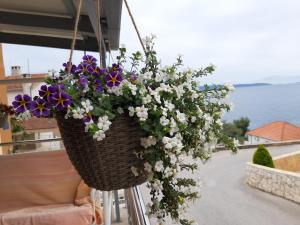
x=274 y=132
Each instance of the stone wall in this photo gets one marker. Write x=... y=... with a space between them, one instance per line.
x=278 y=182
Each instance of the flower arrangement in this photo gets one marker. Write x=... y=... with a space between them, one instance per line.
x=182 y=122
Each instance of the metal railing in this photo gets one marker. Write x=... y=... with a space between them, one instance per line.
x=136 y=207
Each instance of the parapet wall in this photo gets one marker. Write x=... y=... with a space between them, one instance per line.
x=278 y=182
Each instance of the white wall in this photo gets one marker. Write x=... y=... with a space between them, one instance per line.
x=257 y=140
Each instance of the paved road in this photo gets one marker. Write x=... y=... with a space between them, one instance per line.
x=227 y=200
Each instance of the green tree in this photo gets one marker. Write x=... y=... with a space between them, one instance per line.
x=237 y=129
x=262 y=157
x=243 y=124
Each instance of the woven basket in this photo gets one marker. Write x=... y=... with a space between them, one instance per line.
x=104 y=165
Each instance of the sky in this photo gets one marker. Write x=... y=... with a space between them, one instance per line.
x=247 y=40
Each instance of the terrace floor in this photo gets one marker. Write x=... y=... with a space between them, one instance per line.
x=228 y=200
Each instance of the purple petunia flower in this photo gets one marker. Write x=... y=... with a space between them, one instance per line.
x=113 y=79
x=87 y=119
x=103 y=71
x=94 y=70
x=40 y=108
x=21 y=103
x=89 y=59
x=133 y=78
x=116 y=67
x=47 y=91
x=82 y=68
x=83 y=81
x=61 y=100
x=98 y=85
x=73 y=67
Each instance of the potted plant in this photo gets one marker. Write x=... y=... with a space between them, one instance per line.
x=122 y=127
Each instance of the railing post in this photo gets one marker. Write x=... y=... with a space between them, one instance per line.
x=117 y=207
x=107 y=202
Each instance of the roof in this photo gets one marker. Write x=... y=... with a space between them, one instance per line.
x=51 y=23
x=18 y=86
x=39 y=123
x=277 y=131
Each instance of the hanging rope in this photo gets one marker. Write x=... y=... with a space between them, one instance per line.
x=99 y=30
x=74 y=35
x=135 y=26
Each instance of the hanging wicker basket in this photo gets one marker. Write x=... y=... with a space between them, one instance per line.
x=104 y=165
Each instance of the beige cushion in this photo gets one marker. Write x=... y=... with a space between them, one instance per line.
x=66 y=214
x=36 y=179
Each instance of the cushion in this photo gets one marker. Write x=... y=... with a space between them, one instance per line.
x=65 y=214
x=37 y=179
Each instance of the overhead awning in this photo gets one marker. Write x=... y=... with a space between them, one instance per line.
x=50 y=23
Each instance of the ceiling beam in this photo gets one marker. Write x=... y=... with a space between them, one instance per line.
x=89 y=44
x=63 y=23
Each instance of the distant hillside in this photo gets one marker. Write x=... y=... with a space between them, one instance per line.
x=236 y=85
x=251 y=85
x=281 y=79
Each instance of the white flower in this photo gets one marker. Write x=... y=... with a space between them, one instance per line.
x=133 y=88
x=149 y=141
x=164 y=121
x=169 y=105
x=230 y=87
x=165 y=87
x=159 y=166
x=158 y=77
x=117 y=90
x=179 y=90
x=169 y=172
x=193 y=119
x=173 y=126
x=23 y=116
x=164 y=111
x=78 y=113
x=219 y=122
x=103 y=123
x=134 y=171
x=157 y=185
x=173 y=158
x=169 y=142
x=120 y=110
x=180 y=117
x=131 y=111
x=99 y=135
x=87 y=105
x=147 y=76
x=142 y=113
x=147 y=99
x=155 y=94
x=148 y=167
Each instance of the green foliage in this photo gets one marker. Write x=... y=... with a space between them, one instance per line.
x=263 y=157
x=16 y=125
x=237 y=129
x=242 y=124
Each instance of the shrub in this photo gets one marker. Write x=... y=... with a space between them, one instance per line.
x=263 y=157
